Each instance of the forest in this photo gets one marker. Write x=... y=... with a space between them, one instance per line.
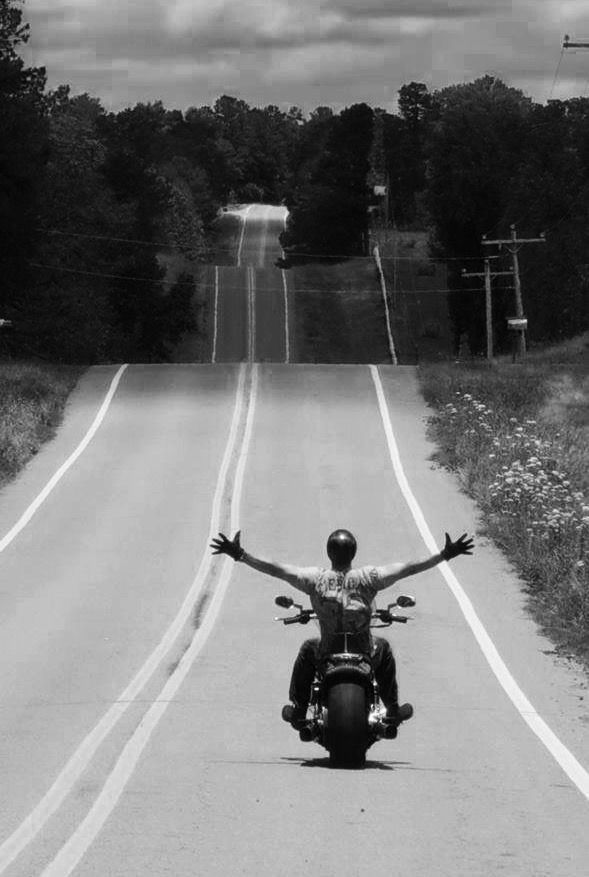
x=90 y=200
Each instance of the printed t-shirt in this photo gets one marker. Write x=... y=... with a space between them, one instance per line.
x=343 y=602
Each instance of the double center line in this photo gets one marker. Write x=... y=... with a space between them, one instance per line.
x=251 y=314
x=228 y=489
x=222 y=301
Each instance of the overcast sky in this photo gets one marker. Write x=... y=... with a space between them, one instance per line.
x=303 y=52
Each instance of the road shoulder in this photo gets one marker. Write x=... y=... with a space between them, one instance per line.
x=557 y=687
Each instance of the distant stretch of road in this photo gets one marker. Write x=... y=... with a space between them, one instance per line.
x=252 y=307
x=141 y=679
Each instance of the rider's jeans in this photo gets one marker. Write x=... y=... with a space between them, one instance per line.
x=303 y=672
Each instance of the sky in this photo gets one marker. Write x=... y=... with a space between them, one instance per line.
x=306 y=53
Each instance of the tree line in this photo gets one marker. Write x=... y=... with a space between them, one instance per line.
x=461 y=162
x=90 y=200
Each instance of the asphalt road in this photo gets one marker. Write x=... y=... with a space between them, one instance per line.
x=252 y=305
x=141 y=681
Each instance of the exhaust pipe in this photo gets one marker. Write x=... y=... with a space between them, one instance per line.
x=306 y=734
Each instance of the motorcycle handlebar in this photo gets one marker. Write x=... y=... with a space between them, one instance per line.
x=382 y=615
x=388 y=618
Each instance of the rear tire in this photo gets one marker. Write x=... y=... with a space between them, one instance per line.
x=346 y=725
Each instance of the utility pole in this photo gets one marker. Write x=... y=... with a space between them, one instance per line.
x=487 y=274
x=519 y=323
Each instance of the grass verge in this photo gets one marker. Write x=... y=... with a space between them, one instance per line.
x=517 y=436
x=417 y=288
x=339 y=312
x=32 y=402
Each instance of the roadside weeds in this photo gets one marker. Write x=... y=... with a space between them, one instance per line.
x=339 y=312
x=523 y=454
x=32 y=402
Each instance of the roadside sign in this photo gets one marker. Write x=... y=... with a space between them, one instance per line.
x=517 y=324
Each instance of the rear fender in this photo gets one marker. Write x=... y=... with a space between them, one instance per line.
x=348 y=668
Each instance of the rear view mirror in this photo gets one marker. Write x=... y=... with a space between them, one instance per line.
x=405 y=601
x=284 y=602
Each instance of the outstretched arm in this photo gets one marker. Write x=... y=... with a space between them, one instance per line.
x=394 y=571
x=232 y=547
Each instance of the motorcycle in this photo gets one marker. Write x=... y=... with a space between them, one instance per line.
x=348 y=716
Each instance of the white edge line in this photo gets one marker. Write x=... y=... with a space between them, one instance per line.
x=286 y=326
x=53 y=798
x=383 y=286
x=52 y=483
x=216 y=314
x=571 y=766
x=77 y=845
x=285 y=287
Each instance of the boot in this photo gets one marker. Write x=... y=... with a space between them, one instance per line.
x=397 y=714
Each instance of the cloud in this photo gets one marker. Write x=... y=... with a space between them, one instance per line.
x=187 y=52
x=429 y=9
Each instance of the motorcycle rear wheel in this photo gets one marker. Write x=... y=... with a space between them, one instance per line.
x=346 y=725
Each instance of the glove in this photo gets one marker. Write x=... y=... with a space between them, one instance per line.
x=232 y=547
x=453 y=549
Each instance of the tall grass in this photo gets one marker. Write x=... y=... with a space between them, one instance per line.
x=339 y=312
x=32 y=401
x=528 y=469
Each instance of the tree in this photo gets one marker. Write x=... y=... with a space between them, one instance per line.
x=476 y=146
x=551 y=192
x=68 y=314
x=329 y=209
x=23 y=154
x=415 y=104
x=147 y=180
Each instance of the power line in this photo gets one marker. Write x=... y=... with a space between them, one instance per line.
x=302 y=289
x=97 y=274
x=100 y=237
x=214 y=249
x=557 y=71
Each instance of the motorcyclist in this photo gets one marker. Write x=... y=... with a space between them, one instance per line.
x=343 y=599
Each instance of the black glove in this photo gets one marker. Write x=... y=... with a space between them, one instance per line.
x=453 y=549
x=232 y=547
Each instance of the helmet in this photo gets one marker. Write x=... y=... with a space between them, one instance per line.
x=341 y=547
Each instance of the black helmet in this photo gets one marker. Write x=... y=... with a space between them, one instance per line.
x=341 y=547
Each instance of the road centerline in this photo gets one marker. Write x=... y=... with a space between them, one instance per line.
x=242 y=235
x=252 y=287
x=29 y=828
x=79 y=842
